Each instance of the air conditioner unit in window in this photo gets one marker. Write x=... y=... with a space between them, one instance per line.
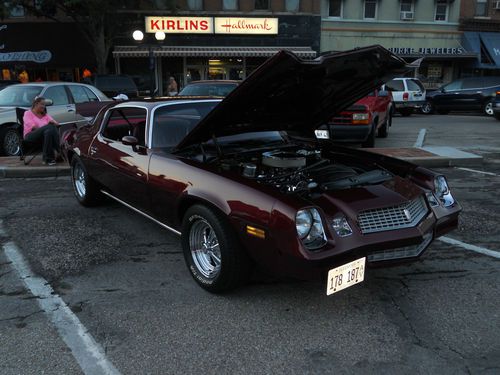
x=496 y=5
x=406 y=16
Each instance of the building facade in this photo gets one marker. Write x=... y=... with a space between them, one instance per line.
x=216 y=39
x=480 y=24
x=412 y=29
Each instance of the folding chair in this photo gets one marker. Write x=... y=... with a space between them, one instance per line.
x=26 y=148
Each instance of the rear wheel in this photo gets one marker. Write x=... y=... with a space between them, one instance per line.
x=10 y=142
x=426 y=108
x=85 y=187
x=212 y=250
x=488 y=108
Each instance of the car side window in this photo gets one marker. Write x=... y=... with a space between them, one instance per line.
x=172 y=123
x=57 y=94
x=412 y=85
x=473 y=83
x=395 y=85
x=126 y=121
x=91 y=96
x=79 y=94
x=455 y=85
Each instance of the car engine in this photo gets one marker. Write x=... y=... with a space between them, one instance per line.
x=302 y=171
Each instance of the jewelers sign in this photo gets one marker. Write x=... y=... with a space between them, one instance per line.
x=212 y=25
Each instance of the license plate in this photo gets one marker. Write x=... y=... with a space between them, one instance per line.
x=345 y=276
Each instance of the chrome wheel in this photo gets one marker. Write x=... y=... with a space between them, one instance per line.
x=79 y=180
x=426 y=108
x=205 y=248
x=488 y=109
x=11 y=143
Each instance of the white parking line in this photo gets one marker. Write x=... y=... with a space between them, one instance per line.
x=476 y=171
x=477 y=249
x=87 y=352
x=420 y=138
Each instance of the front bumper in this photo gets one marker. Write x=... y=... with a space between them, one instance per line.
x=350 y=133
x=409 y=104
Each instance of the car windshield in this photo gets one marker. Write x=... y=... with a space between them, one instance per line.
x=19 y=96
x=207 y=89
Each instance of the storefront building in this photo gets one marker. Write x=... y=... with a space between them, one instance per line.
x=412 y=29
x=212 y=46
x=30 y=52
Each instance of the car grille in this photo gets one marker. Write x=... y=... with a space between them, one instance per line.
x=341 y=120
x=391 y=218
x=401 y=252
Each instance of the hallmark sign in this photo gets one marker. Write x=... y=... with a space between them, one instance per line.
x=212 y=25
x=427 y=51
x=39 y=57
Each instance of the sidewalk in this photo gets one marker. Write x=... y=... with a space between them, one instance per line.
x=432 y=157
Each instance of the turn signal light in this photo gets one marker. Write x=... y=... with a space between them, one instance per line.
x=256 y=232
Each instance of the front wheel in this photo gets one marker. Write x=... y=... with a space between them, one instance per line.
x=370 y=141
x=488 y=109
x=212 y=250
x=10 y=142
x=85 y=187
x=426 y=108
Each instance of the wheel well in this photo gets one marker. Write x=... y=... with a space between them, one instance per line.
x=191 y=201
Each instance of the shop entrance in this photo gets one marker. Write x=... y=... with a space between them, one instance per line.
x=215 y=68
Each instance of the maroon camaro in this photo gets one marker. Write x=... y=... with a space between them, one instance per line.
x=249 y=180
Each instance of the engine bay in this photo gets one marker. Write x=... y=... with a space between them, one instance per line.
x=300 y=170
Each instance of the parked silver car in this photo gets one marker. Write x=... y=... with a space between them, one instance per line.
x=63 y=95
x=408 y=94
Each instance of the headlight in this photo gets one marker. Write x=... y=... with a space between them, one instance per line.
x=442 y=191
x=303 y=222
x=341 y=226
x=360 y=116
x=310 y=228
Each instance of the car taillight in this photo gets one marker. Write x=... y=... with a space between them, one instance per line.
x=406 y=96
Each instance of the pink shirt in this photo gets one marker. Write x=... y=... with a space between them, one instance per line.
x=31 y=120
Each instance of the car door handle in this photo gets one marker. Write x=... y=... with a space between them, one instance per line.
x=93 y=150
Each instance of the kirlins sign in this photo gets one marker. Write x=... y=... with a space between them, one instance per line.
x=212 y=25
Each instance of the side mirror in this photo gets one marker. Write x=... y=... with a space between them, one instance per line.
x=383 y=94
x=48 y=102
x=129 y=140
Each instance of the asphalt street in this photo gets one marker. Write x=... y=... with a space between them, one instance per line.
x=125 y=280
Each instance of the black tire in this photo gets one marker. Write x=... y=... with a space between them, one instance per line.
x=86 y=189
x=405 y=112
x=10 y=141
x=427 y=108
x=383 y=132
x=218 y=268
x=488 y=108
x=370 y=141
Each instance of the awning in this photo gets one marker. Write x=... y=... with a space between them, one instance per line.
x=487 y=47
x=196 y=51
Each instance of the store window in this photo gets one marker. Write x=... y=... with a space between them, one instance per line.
x=261 y=4
x=17 y=11
x=370 y=9
x=335 y=8
x=230 y=4
x=195 y=4
x=406 y=5
x=441 y=10
x=481 y=8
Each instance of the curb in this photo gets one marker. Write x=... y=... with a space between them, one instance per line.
x=34 y=172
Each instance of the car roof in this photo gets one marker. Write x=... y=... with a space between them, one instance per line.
x=211 y=81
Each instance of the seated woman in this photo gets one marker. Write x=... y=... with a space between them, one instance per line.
x=39 y=127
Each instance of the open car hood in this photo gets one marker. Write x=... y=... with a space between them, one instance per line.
x=287 y=93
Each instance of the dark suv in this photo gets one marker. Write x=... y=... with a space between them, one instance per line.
x=114 y=84
x=464 y=94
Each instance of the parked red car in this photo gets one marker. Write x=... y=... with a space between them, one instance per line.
x=245 y=182
x=369 y=117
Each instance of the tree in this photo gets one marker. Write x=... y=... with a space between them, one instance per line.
x=100 y=21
